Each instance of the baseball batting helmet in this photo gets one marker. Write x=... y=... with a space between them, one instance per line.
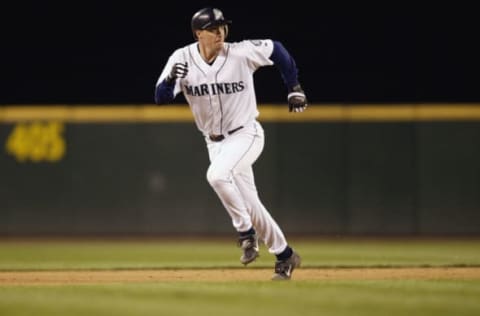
x=206 y=18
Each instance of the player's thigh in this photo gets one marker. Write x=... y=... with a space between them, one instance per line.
x=236 y=154
x=241 y=151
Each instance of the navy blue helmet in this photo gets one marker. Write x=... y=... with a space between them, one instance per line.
x=208 y=17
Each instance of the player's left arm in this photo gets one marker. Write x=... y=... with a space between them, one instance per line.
x=297 y=101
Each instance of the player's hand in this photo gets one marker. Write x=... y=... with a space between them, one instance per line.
x=179 y=70
x=297 y=101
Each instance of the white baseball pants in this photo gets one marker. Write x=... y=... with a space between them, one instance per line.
x=231 y=176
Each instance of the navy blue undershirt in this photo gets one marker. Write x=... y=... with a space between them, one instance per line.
x=285 y=64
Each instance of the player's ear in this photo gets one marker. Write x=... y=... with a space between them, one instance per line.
x=197 y=33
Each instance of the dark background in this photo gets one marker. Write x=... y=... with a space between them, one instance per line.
x=112 y=52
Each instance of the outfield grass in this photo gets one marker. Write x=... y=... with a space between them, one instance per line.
x=68 y=254
x=327 y=297
x=372 y=298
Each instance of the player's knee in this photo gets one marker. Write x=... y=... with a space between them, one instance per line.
x=216 y=177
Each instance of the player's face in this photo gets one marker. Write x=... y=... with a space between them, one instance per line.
x=214 y=36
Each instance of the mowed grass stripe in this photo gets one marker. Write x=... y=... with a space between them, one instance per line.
x=306 y=298
x=220 y=275
x=224 y=253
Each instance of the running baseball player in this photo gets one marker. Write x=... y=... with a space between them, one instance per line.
x=216 y=79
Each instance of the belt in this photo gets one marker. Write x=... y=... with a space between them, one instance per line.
x=219 y=138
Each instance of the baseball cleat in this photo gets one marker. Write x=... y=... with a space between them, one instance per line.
x=249 y=244
x=284 y=268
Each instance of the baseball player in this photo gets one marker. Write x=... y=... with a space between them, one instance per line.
x=216 y=79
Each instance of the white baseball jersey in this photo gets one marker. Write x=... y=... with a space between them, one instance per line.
x=221 y=95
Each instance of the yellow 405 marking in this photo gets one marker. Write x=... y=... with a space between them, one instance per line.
x=37 y=142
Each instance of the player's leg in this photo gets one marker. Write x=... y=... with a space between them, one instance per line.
x=242 y=172
x=220 y=179
x=238 y=149
x=265 y=226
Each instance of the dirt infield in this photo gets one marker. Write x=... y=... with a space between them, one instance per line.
x=168 y=275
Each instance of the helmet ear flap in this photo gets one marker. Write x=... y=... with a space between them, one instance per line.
x=225 y=27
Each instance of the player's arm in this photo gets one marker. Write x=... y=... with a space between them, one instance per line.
x=285 y=63
x=164 y=90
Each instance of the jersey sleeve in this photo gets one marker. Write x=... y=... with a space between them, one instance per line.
x=257 y=52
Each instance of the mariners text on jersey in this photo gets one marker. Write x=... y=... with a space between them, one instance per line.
x=215 y=88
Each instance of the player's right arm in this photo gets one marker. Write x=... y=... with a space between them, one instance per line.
x=164 y=92
x=167 y=86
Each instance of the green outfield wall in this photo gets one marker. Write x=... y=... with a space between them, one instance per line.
x=335 y=169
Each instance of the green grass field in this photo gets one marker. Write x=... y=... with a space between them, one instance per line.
x=390 y=296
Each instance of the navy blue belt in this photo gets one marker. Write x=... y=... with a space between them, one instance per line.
x=219 y=138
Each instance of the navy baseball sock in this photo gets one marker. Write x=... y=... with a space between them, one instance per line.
x=284 y=255
x=249 y=232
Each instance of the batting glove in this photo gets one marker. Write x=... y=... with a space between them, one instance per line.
x=297 y=101
x=179 y=70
